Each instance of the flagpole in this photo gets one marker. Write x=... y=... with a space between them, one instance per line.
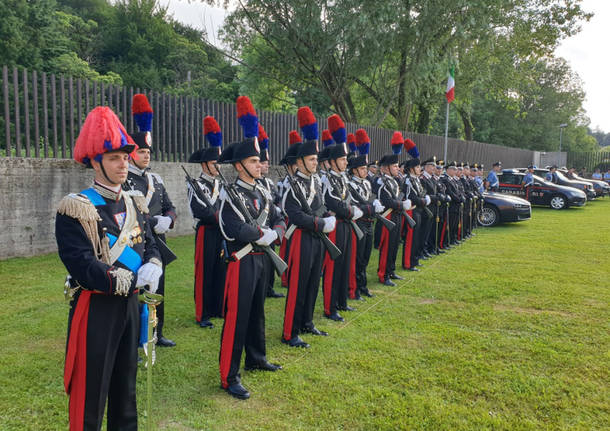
x=446 y=133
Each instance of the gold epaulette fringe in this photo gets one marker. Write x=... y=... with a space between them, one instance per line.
x=78 y=207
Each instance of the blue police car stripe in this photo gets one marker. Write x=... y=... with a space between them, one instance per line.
x=130 y=258
x=95 y=198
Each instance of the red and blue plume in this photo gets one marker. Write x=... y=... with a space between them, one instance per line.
x=263 y=139
x=142 y=112
x=397 y=142
x=351 y=142
x=327 y=138
x=294 y=137
x=337 y=128
x=246 y=116
x=363 y=142
x=211 y=131
x=307 y=123
x=411 y=148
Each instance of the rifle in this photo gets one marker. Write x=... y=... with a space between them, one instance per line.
x=196 y=189
x=331 y=248
x=461 y=221
x=279 y=265
x=408 y=218
x=448 y=237
x=389 y=224
x=437 y=220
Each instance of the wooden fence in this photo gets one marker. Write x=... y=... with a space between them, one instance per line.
x=43 y=113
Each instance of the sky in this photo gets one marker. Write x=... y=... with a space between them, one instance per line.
x=585 y=51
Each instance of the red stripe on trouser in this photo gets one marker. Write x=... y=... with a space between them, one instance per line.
x=199 y=273
x=352 y=268
x=459 y=232
x=231 y=298
x=406 y=255
x=294 y=261
x=383 y=253
x=442 y=244
x=75 y=370
x=283 y=247
x=329 y=269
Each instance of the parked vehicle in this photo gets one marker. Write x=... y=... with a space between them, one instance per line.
x=601 y=188
x=501 y=208
x=587 y=188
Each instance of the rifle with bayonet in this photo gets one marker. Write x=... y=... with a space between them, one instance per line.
x=279 y=265
x=331 y=248
x=408 y=218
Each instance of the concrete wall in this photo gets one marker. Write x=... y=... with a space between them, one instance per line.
x=32 y=188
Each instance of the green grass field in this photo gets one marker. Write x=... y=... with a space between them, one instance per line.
x=508 y=331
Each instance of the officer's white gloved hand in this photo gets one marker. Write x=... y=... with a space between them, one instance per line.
x=357 y=213
x=163 y=224
x=148 y=275
x=448 y=198
x=428 y=200
x=329 y=224
x=378 y=207
x=269 y=235
x=406 y=204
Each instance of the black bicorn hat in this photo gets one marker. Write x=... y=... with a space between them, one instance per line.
x=411 y=163
x=388 y=159
x=357 y=162
x=291 y=155
x=242 y=150
x=337 y=151
x=323 y=154
x=143 y=140
x=307 y=148
x=203 y=155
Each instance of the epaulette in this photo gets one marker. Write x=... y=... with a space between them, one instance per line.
x=139 y=199
x=79 y=207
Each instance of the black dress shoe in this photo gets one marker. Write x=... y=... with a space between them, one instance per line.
x=368 y=294
x=423 y=257
x=413 y=268
x=238 y=391
x=440 y=251
x=334 y=316
x=165 y=342
x=263 y=366
x=393 y=276
x=296 y=342
x=314 y=331
x=388 y=282
x=347 y=308
x=357 y=298
x=205 y=323
x=274 y=294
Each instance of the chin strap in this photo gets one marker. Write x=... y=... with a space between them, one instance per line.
x=305 y=166
x=247 y=171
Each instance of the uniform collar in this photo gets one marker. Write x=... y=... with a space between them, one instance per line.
x=208 y=178
x=357 y=179
x=303 y=175
x=107 y=192
x=135 y=170
x=427 y=175
x=245 y=185
x=336 y=174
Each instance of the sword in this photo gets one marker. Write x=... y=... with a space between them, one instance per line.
x=151 y=300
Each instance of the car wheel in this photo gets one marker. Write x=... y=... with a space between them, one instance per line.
x=489 y=216
x=558 y=202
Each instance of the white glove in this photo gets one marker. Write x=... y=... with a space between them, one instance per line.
x=269 y=235
x=357 y=213
x=406 y=204
x=448 y=198
x=428 y=200
x=329 y=224
x=148 y=275
x=163 y=224
x=378 y=207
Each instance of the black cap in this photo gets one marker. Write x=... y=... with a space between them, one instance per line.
x=143 y=140
x=373 y=163
x=357 y=162
x=411 y=163
x=264 y=155
x=205 y=155
x=323 y=155
x=290 y=158
x=452 y=165
x=497 y=164
x=388 y=159
x=431 y=161
x=337 y=151
x=307 y=148
x=227 y=154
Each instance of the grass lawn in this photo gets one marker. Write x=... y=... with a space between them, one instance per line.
x=509 y=331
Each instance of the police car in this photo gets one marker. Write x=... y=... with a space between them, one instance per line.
x=500 y=208
x=565 y=181
x=601 y=188
x=542 y=192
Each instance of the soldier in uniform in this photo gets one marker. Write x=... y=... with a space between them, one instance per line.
x=457 y=200
x=441 y=242
x=105 y=241
x=339 y=201
x=389 y=194
x=304 y=207
x=210 y=268
x=162 y=212
x=413 y=245
x=471 y=199
x=431 y=186
x=267 y=183
x=245 y=286
x=364 y=198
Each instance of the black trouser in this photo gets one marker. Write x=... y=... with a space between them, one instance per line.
x=107 y=361
x=210 y=271
x=435 y=231
x=304 y=268
x=363 y=254
x=270 y=276
x=413 y=236
x=427 y=231
x=454 y=215
x=244 y=325
x=336 y=273
x=388 y=246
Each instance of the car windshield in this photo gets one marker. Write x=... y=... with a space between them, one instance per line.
x=542 y=180
x=562 y=176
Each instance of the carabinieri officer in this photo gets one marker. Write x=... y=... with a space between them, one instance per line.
x=107 y=246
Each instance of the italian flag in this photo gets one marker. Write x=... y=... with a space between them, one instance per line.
x=450 y=93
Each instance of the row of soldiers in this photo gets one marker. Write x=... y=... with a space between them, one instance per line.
x=324 y=217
